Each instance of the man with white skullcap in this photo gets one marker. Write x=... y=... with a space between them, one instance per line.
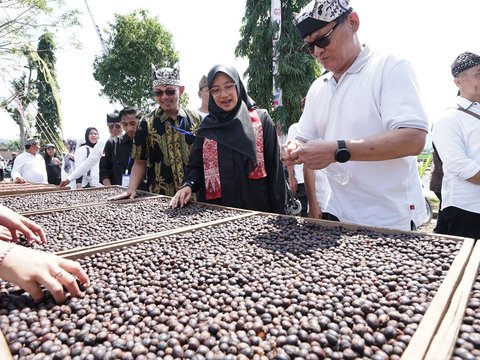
x=456 y=137
x=362 y=116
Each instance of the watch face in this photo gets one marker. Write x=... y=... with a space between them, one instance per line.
x=342 y=155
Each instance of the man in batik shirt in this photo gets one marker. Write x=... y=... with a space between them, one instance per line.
x=163 y=138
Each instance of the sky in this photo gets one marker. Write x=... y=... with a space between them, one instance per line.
x=428 y=33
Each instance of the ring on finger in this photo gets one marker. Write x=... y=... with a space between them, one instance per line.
x=58 y=274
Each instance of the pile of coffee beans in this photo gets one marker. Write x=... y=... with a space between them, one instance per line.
x=112 y=221
x=262 y=287
x=468 y=342
x=59 y=199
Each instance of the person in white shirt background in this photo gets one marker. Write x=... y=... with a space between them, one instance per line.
x=91 y=176
x=94 y=158
x=203 y=94
x=311 y=187
x=29 y=166
x=456 y=136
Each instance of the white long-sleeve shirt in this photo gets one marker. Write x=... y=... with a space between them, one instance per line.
x=30 y=167
x=82 y=167
x=456 y=137
x=92 y=159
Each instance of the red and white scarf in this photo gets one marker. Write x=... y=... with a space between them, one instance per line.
x=213 y=187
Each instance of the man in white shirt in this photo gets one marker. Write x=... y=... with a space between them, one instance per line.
x=29 y=166
x=365 y=114
x=456 y=136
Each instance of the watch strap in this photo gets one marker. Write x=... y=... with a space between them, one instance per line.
x=342 y=144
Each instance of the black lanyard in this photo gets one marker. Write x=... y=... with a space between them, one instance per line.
x=469 y=112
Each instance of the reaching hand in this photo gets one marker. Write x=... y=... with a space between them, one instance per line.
x=20 y=180
x=30 y=268
x=64 y=183
x=293 y=184
x=181 y=198
x=15 y=222
x=128 y=194
x=314 y=211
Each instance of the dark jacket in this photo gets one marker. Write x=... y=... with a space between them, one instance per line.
x=54 y=172
x=117 y=158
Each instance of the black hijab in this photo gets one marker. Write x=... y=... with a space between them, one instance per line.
x=87 y=140
x=231 y=128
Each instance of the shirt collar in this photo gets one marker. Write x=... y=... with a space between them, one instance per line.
x=464 y=102
x=357 y=65
x=360 y=61
x=163 y=115
x=124 y=139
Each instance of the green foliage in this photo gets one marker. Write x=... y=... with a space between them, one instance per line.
x=48 y=118
x=134 y=42
x=14 y=145
x=22 y=20
x=296 y=67
x=25 y=93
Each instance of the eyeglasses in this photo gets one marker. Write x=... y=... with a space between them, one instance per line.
x=216 y=91
x=169 y=92
x=322 y=41
x=115 y=125
x=93 y=134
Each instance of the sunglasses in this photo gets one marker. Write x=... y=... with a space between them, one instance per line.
x=322 y=41
x=116 y=126
x=169 y=92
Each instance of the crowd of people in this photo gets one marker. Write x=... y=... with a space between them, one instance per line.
x=362 y=117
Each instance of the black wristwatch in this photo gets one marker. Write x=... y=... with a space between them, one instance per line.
x=342 y=155
x=185 y=184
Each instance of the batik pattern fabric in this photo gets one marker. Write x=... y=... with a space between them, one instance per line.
x=165 y=148
x=259 y=171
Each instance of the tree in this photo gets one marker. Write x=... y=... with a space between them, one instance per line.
x=134 y=42
x=48 y=117
x=22 y=20
x=24 y=94
x=296 y=68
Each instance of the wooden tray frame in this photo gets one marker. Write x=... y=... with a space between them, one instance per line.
x=40 y=189
x=45 y=211
x=443 y=344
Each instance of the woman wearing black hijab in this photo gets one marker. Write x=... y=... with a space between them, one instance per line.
x=235 y=157
x=53 y=165
x=91 y=177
